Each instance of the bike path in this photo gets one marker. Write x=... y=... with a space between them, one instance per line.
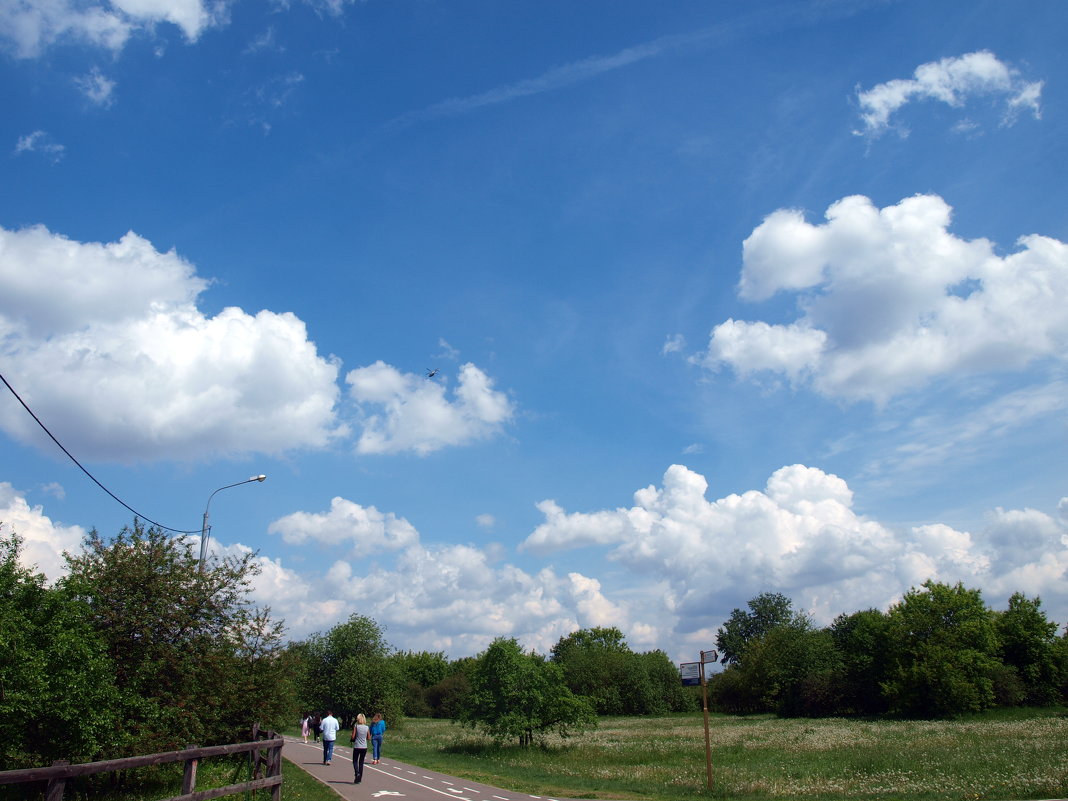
x=390 y=779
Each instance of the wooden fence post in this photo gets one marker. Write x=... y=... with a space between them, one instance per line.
x=274 y=766
x=189 y=777
x=56 y=786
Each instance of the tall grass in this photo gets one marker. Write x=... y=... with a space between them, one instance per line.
x=1021 y=756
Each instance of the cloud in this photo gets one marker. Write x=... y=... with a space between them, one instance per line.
x=366 y=529
x=146 y=375
x=44 y=541
x=963 y=436
x=408 y=412
x=40 y=142
x=454 y=598
x=98 y=89
x=679 y=564
x=891 y=300
x=276 y=91
x=801 y=536
x=952 y=81
x=674 y=344
x=551 y=80
x=30 y=26
x=265 y=41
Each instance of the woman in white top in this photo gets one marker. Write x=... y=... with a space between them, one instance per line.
x=359 y=746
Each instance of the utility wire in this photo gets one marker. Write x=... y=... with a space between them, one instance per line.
x=91 y=476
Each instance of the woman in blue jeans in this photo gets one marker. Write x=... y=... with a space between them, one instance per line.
x=378 y=729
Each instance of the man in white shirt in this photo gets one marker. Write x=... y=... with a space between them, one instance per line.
x=329 y=729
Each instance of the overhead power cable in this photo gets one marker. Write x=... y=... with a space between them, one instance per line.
x=82 y=468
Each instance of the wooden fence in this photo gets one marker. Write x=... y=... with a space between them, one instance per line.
x=266 y=772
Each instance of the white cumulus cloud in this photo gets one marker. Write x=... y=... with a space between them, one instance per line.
x=362 y=528
x=953 y=81
x=889 y=299
x=31 y=26
x=44 y=540
x=801 y=536
x=455 y=598
x=408 y=412
x=146 y=375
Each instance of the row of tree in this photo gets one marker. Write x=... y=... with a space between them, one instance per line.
x=139 y=648
x=939 y=651
x=506 y=692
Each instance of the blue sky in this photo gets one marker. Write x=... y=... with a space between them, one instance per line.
x=724 y=298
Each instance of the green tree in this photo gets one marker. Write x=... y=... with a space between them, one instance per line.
x=667 y=689
x=1027 y=646
x=425 y=668
x=348 y=670
x=522 y=696
x=597 y=663
x=1060 y=660
x=449 y=696
x=57 y=695
x=193 y=660
x=790 y=670
x=944 y=652
x=420 y=671
x=863 y=641
x=767 y=611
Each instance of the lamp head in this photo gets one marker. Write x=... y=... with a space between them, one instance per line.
x=258 y=478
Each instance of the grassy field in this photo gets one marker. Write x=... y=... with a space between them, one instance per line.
x=1021 y=754
x=1015 y=754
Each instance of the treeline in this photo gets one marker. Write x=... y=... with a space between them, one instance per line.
x=137 y=649
x=506 y=692
x=595 y=663
x=940 y=651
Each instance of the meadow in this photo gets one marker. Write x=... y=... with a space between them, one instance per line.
x=1007 y=754
x=1013 y=754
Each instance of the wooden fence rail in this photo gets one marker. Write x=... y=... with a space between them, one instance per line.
x=267 y=769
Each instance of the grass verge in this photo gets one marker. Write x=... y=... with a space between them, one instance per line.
x=1020 y=755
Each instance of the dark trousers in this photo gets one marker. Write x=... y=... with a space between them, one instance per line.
x=358 y=756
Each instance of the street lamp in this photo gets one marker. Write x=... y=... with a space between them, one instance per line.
x=205 y=528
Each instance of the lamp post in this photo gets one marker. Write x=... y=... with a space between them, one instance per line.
x=205 y=528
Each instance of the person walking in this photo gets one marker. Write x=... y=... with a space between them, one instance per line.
x=305 y=727
x=328 y=727
x=359 y=746
x=315 y=722
x=378 y=730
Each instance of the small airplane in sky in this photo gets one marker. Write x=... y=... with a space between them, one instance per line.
x=431 y=373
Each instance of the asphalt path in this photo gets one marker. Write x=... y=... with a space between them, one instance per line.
x=392 y=779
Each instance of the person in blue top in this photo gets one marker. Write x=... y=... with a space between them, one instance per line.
x=378 y=729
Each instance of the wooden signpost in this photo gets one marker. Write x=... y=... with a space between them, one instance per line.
x=692 y=674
